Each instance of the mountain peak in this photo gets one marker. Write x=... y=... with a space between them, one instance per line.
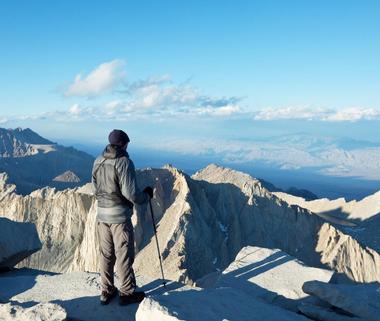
x=32 y=161
x=29 y=136
x=18 y=142
x=67 y=177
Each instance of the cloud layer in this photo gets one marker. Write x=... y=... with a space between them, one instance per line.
x=156 y=97
x=116 y=98
x=160 y=97
x=351 y=114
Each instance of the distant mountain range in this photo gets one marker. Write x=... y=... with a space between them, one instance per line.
x=33 y=162
x=305 y=194
x=329 y=166
x=21 y=143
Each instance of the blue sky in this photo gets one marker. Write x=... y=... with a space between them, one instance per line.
x=184 y=74
x=271 y=53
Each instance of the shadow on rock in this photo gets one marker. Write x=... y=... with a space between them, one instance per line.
x=89 y=307
x=17 y=281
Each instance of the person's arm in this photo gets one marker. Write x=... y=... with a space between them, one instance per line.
x=93 y=177
x=128 y=184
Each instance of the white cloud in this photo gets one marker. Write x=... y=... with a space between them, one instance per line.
x=317 y=114
x=113 y=107
x=102 y=79
x=75 y=110
x=165 y=106
x=354 y=114
x=160 y=96
x=161 y=92
x=226 y=110
x=154 y=96
x=3 y=120
x=306 y=113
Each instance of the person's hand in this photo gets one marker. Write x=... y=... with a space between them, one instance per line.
x=149 y=191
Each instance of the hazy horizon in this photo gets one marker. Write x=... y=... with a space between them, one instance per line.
x=322 y=185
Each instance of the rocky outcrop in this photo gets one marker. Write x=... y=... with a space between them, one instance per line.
x=67 y=177
x=269 y=274
x=361 y=300
x=38 y=312
x=316 y=312
x=202 y=223
x=17 y=241
x=78 y=293
x=5 y=188
x=60 y=221
x=265 y=220
x=339 y=208
x=211 y=305
x=238 y=294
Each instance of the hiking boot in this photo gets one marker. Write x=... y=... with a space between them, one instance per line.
x=135 y=297
x=106 y=296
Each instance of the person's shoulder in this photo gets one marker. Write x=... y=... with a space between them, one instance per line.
x=124 y=161
x=98 y=159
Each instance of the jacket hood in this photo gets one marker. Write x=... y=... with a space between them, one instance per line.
x=113 y=151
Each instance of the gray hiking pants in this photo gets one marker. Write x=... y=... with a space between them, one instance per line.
x=116 y=243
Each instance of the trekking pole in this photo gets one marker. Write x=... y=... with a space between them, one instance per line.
x=158 y=248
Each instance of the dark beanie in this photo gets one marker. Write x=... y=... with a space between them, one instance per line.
x=118 y=137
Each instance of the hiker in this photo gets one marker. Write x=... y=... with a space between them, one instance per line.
x=115 y=187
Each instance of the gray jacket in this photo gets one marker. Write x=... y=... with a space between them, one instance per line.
x=115 y=187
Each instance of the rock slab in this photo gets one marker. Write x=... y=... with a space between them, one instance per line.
x=325 y=314
x=268 y=274
x=77 y=293
x=17 y=241
x=38 y=312
x=362 y=300
x=211 y=305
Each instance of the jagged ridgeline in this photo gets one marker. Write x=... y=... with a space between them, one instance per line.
x=33 y=162
x=203 y=222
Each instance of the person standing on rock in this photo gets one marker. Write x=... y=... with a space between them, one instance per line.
x=116 y=190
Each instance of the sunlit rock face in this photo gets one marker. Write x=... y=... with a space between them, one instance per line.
x=202 y=223
x=339 y=209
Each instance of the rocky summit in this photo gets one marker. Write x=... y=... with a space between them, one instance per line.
x=203 y=222
x=223 y=236
x=242 y=292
